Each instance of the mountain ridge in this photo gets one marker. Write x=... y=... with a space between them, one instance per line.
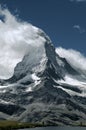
x=44 y=88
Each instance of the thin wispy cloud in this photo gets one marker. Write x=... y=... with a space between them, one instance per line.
x=79 y=29
x=78 y=0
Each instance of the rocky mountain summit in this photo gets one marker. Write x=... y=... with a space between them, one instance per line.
x=44 y=88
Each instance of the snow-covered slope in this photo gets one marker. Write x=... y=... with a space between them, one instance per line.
x=44 y=87
x=37 y=83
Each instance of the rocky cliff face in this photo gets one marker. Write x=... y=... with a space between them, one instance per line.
x=44 y=88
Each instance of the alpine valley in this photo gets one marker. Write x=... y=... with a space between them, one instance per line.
x=44 y=88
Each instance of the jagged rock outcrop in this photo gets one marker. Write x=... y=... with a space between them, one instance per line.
x=44 y=88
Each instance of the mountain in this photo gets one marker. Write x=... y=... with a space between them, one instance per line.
x=44 y=88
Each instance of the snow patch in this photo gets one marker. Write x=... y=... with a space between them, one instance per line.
x=42 y=63
x=72 y=82
x=70 y=92
x=34 y=77
x=5 y=102
x=37 y=81
x=1 y=87
x=29 y=89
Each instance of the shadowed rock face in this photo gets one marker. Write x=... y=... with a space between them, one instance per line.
x=39 y=92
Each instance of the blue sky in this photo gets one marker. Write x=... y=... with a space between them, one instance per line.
x=63 y=20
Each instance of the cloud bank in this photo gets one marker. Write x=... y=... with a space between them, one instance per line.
x=15 y=40
x=75 y=58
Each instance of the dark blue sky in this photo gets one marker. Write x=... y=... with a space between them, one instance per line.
x=64 y=21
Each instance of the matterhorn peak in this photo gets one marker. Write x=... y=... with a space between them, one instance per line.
x=37 y=85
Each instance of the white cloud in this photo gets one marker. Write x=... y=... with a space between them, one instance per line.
x=78 y=0
x=79 y=28
x=75 y=58
x=15 y=38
